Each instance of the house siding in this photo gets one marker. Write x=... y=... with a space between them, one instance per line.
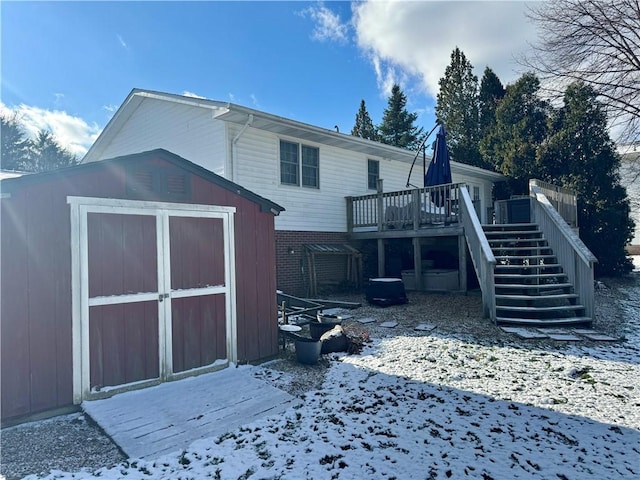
x=182 y=129
x=342 y=173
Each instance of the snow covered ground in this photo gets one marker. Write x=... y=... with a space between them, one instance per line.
x=430 y=405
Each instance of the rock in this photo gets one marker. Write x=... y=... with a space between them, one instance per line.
x=335 y=340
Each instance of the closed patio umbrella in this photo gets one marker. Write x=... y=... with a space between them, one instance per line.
x=439 y=171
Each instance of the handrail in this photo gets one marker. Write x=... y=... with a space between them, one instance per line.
x=481 y=254
x=575 y=257
x=564 y=200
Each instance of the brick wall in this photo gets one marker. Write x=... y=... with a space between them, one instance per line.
x=291 y=262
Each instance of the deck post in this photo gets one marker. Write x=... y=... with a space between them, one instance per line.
x=462 y=262
x=417 y=208
x=417 y=262
x=350 y=215
x=380 y=211
x=380 y=257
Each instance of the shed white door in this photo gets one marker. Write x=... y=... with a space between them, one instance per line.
x=154 y=294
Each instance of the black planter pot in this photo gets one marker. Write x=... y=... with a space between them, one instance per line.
x=308 y=350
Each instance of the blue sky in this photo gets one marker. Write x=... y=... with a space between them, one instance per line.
x=66 y=66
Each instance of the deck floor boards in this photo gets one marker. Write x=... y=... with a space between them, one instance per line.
x=169 y=417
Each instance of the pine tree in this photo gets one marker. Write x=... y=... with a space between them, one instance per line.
x=15 y=145
x=457 y=109
x=581 y=156
x=491 y=92
x=364 y=127
x=47 y=154
x=397 y=127
x=520 y=128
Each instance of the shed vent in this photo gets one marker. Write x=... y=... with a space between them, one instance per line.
x=177 y=184
x=158 y=184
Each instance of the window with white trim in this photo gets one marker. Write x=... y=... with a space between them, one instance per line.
x=299 y=164
x=373 y=174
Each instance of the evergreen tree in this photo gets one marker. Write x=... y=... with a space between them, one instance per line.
x=364 y=127
x=580 y=155
x=47 y=154
x=457 y=109
x=397 y=127
x=15 y=145
x=31 y=155
x=491 y=92
x=520 y=128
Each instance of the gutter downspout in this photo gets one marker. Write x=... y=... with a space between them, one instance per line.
x=234 y=144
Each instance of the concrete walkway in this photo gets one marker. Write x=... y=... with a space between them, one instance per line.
x=158 y=420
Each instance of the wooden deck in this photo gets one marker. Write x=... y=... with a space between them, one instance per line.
x=166 y=418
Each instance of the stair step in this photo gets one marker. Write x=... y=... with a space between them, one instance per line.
x=540 y=286
x=497 y=242
x=559 y=308
x=548 y=322
x=513 y=267
x=532 y=276
x=525 y=248
x=508 y=226
x=522 y=257
x=512 y=233
x=560 y=296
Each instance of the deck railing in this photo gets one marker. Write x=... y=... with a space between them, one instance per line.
x=564 y=200
x=574 y=256
x=404 y=209
x=482 y=257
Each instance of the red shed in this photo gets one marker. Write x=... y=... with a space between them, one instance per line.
x=129 y=272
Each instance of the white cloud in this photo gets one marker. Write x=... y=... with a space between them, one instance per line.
x=72 y=133
x=111 y=108
x=328 y=25
x=121 y=41
x=418 y=37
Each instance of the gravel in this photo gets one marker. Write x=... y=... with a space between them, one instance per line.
x=73 y=442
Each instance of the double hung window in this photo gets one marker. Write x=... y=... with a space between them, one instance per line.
x=373 y=174
x=299 y=164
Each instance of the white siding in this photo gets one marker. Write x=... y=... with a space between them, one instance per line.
x=342 y=173
x=628 y=179
x=184 y=130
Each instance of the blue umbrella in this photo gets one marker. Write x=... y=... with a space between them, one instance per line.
x=439 y=171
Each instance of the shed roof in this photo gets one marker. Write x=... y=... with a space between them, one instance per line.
x=9 y=185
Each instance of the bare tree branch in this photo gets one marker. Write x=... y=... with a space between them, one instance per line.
x=595 y=42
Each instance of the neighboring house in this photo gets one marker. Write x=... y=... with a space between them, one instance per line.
x=307 y=169
x=129 y=272
x=629 y=176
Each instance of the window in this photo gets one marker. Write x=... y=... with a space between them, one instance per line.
x=299 y=165
x=373 y=174
x=310 y=167
x=288 y=163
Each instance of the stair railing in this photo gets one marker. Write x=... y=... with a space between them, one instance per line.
x=574 y=256
x=563 y=200
x=482 y=257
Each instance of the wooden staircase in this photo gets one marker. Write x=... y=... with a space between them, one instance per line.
x=531 y=288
